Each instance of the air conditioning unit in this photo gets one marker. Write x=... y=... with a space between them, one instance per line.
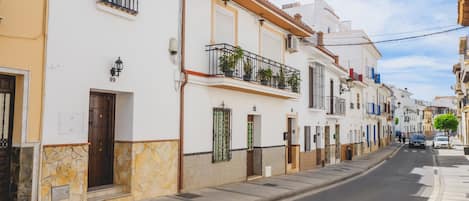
x=293 y=43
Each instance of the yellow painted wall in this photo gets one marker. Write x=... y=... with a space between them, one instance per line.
x=22 y=37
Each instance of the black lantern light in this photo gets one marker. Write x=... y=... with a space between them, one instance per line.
x=117 y=67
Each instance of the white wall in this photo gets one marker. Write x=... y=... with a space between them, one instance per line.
x=83 y=43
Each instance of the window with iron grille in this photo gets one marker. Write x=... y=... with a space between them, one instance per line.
x=221 y=134
x=129 y=6
x=307 y=138
x=316 y=86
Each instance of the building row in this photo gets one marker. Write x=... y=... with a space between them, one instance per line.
x=136 y=99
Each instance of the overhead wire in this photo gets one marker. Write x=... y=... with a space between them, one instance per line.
x=397 y=39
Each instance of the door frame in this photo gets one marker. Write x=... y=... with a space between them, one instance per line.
x=112 y=126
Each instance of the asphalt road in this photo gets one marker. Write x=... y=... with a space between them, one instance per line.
x=408 y=176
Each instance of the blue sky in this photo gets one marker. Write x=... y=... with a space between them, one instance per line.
x=424 y=65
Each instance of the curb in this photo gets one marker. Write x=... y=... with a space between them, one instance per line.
x=347 y=177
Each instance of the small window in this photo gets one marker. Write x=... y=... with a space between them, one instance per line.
x=307 y=138
x=221 y=134
x=129 y=6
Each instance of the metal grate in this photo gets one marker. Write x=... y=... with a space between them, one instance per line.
x=188 y=195
x=270 y=184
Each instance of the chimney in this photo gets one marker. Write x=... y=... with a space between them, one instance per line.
x=297 y=17
x=320 y=38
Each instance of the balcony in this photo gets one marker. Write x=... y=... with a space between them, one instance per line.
x=373 y=109
x=128 y=6
x=335 y=106
x=458 y=89
x=234 y=68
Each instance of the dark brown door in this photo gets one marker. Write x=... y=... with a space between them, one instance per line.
x=101 y=138
x=379 y=134
x=318 y=150
x=7 y=91
x=289 y=140
x=327 y=145
x=250 y=152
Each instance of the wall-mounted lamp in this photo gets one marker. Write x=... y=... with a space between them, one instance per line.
x=254 y=108
x=173 y=46
x=225 y=1
x=117 y=68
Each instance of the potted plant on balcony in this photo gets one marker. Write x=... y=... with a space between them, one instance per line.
x=294 y=82
x=229 y=60
x=247 y=70
x=265 y=75
x=281 y=79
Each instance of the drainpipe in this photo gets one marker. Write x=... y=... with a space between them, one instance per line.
x=181 y=97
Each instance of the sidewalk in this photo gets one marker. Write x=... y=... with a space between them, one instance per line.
x=284 y=186
x=451 y=180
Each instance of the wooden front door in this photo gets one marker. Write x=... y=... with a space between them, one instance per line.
x=318 y=143
x=289 y=140
x=379 y=134
x=250 y=152
x=101 y=138
x=7 y=91
x=337 y=141
x=327 y=145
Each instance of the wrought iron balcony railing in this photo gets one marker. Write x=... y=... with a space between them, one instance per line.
x=335 y=105
x=130 y=6
x=234 y=62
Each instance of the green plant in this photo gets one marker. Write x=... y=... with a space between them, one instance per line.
x=396 y=121
x=447 y=122
x=229 y=61
x=281 y=79
x=265 y=75
x=294 y=82
x=247 y=69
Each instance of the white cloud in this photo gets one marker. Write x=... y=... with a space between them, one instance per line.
x=423 y=65
x=413 y=61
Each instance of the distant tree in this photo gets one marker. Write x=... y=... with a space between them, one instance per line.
x=396 y=120
x=446 y=122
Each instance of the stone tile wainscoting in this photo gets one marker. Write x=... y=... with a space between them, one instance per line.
x=65 y=165
x=147 y=169
x=21 y=172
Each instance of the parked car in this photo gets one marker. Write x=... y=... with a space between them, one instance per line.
x=417 y=140
x=440 y=142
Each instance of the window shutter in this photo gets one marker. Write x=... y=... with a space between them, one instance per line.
x=224 y=26
x=311 y=87
x=272 y=46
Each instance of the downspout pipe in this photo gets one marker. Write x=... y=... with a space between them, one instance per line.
x=181 y=96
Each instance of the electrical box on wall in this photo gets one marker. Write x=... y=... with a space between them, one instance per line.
x=60 y=193
x=293 y=43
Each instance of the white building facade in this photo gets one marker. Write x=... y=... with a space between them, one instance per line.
x=111 y=111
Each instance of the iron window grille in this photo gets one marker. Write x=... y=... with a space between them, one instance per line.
x=221 y=135
x=130 y=6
